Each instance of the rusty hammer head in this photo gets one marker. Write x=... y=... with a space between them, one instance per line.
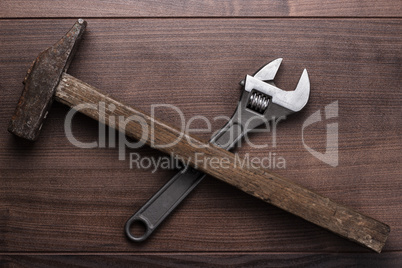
x=40 y=84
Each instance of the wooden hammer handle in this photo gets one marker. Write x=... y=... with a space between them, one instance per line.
x=257 y=182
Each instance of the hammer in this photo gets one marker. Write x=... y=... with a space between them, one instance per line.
x=47 y=80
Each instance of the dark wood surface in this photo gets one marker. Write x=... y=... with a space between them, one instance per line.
x=59 y=203
x=201 y=8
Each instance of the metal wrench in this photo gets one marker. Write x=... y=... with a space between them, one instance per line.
x=260 y=102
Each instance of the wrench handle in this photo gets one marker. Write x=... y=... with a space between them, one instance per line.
x=163 y=202
x=257 y=182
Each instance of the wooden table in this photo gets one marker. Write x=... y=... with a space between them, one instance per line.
x=62 y=205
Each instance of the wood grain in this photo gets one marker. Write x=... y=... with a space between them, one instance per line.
x=204 y=8
x=59 y=198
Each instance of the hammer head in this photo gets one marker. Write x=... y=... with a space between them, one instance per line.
x=41 y=82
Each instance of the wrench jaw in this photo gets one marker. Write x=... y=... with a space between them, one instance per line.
x=266 y=72
x=261 y=102
x=291 y=100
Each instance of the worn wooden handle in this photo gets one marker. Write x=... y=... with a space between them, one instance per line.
x=257 y=182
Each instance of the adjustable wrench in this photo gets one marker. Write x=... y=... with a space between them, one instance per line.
x=258 y=105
